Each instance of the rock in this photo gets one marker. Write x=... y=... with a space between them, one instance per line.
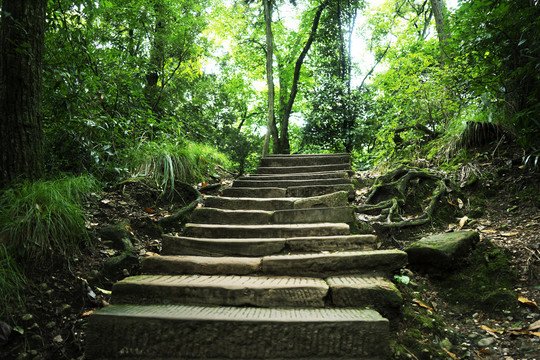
x=441 y=251
x=5 y=332
x=117 y=236
x=486 y=342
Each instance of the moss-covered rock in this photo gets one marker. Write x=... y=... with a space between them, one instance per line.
x=441 y=251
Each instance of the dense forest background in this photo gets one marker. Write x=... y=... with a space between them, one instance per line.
x=96 y=92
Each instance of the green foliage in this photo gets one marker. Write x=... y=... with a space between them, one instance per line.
x=44 y=220
x=11 y=281
x=168 y=162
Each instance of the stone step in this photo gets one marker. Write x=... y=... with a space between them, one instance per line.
x=264 y=231
x=246 y=203
x=305 y=160
x=274 y=170
x=262 y=291
x=323 y=264
x=242 y=333
x=254 y=183
x=301 y=176
x=206 y=215
x=302 y=155
x=181 y=245
x=367 y=290
x=334 y=263
x=293 y=191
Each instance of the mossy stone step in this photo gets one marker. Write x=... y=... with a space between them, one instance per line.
x=262 y=291
x=286 y=183
x=264 y=231
x=197 y=332
x=335 y=199
x=182 y=245
x=304 y=160
x=301 y=176
x=208 y=215
x=293 y=191
x=323 y=264
x=302 y=169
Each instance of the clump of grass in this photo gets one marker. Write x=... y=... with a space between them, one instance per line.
x=43 y=220
x=166 y=163
x=11 y=281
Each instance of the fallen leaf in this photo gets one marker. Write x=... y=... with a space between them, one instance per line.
x=452 y=355
x=489 y=231
x=535 y=325
x=518 y=332
x=451 y=203
x=490 y=330
x=528 y=302
x=106 y=292
x=460 y=203
x=421 y=304
x=463 y=221
x=537 y=334
x=149 y=253
x=506 y=234
x=483 y=352
x=150 y=211
x=88 y=313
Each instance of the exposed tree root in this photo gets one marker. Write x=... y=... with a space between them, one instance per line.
x=388 y=196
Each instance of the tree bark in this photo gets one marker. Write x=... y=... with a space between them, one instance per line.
x=271 y=129
x=439 y=11
x=21 y=52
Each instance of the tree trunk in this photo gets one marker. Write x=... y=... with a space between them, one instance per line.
x=21 y=52
x=439 y=11
x=271 y=129
x=285 y=146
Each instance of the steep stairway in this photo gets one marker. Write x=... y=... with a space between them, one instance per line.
x=269 y=270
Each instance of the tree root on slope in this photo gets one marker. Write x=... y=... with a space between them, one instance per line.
x=388 y=196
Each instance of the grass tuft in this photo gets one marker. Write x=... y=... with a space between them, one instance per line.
x=11 y=281
x=167 y=163
x=43 y=220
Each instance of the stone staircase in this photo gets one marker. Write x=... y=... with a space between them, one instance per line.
x=269 y=270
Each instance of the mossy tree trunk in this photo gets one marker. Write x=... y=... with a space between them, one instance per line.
x=21 y=50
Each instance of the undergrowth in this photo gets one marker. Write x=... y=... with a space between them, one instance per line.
x=167 y=163
x=43 y=221
x=11 y=281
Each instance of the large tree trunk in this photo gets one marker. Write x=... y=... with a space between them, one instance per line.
x=21 y=51
x=271 y=129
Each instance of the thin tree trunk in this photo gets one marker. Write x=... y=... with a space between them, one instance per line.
x=285 y=146
x=271 y=129
x=21 y=52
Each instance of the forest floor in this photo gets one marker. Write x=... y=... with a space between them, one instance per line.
x=445 y=315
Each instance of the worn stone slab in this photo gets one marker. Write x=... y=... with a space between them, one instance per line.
x=249 y=203
x=364 y=290
x=314 y=215
x=300 y=176
x=264 y=231
x=331 y=243
x=442 y=251
x=268 y=192
x=262 y=291
x=335 y=199
x=181 y=245
x=195 y=332
x=334 y=263
x=207 y=215
x=254 y=183
x=305 y=160
x=203 y=265
x=302 y=169
x=315 y=190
